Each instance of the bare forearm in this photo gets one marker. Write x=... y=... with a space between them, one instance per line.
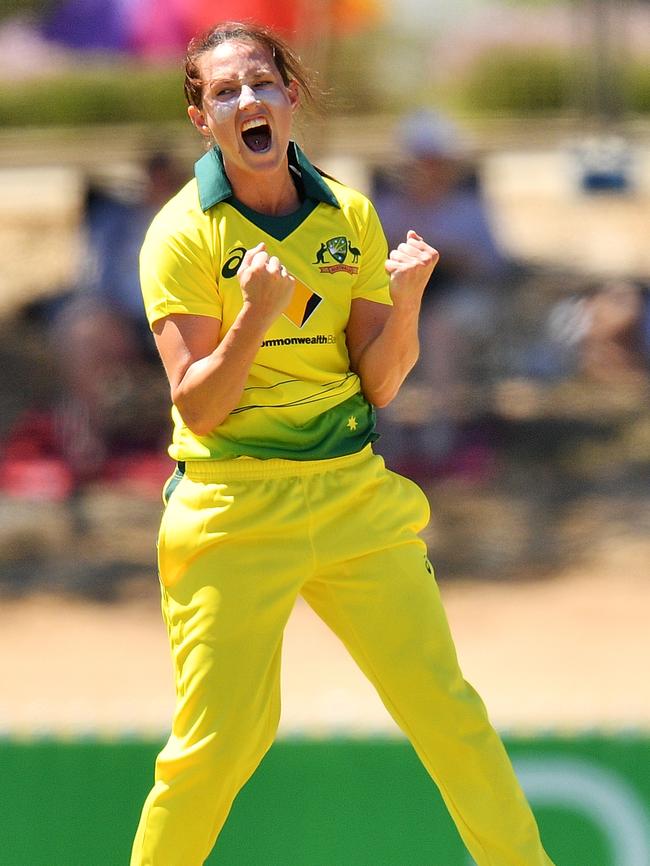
x=389 y=358
x=212 y=386
x=208 y=372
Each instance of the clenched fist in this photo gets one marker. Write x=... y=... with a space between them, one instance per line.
x=410 y=267
x=267 y=287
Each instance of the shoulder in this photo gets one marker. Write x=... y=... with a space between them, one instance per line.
x=181 y=237
x=180 y=219
x=349 y=199
x=355 y=206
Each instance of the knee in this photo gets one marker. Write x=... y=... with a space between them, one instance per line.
x=228 y=754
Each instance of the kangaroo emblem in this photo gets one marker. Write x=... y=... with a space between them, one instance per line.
x=320 y=255
x=354 y=252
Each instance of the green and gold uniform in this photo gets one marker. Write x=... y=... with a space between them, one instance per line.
x=301 y=401
x=287 y=498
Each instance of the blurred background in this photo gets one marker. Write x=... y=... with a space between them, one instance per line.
x=515 y=136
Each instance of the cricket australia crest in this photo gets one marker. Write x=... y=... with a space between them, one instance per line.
x=332 y=255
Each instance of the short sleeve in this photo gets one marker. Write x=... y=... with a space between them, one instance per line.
x=372 y=282
x=177 y=273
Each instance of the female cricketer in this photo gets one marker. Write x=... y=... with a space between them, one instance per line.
x=282 y=322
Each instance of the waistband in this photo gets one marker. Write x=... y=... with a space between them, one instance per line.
x=251 y=469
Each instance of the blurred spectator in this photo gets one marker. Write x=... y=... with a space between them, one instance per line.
x=613 y=347
x=603 y=333
x=437 y=190
x=100 y=335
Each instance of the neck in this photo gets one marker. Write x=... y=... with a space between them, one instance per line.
x=272 y=194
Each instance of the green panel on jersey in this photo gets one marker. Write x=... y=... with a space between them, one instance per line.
x=345 y=429
x=294 y=404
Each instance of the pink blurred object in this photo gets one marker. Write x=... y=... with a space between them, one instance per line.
x=164 y=27
x=161 y=29
x=32 y=465
x=46 y=479
x=143 y=473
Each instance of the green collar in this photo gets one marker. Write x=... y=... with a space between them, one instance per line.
x=214 y=185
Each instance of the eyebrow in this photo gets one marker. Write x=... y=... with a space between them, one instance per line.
x=232 y=79
x=215 y=81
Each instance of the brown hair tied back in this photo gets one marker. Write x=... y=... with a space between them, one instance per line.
x=288 y=63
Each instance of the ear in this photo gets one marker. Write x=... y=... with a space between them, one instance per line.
x=294 y=94
x=198 y=120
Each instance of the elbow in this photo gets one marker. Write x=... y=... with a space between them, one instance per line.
x=381 y=387
x=198 y=426
x=380 y=393
x=382 y=401
x=384 y=391
x=195 y=423
x=195 y=418
x=381 y=398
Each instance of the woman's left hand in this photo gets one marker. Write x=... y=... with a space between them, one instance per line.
x=410 y=267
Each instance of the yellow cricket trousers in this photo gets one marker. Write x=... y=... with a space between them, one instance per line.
x=239 y=541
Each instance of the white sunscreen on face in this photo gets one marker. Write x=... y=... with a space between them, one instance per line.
x=224 y=105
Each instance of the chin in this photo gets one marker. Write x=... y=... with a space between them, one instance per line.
x=267 y=160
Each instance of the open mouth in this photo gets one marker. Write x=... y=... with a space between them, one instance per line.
x=257 y=135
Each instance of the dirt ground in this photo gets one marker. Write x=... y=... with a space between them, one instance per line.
x=566 y=653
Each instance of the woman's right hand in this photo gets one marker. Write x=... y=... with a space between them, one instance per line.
x=267 y=287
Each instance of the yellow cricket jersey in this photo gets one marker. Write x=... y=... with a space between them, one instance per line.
x=301 y=400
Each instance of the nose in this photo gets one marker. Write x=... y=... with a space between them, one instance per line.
x=247 y=96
